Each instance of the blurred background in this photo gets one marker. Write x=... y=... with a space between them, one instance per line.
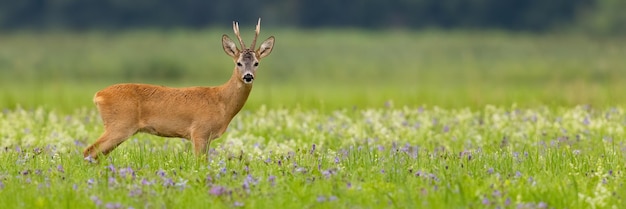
x=329 y=54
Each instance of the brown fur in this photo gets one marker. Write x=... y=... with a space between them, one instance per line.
x=199 y=114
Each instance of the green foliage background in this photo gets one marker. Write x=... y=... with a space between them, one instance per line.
x=325 y=69
x=591 y=16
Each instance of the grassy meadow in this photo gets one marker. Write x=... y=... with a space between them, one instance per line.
x=336 y=119
x=326 y=69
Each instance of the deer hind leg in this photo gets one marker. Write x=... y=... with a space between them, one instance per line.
x=109 y=140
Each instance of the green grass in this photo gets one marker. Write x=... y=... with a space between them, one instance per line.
x=326 y=69
x=352 y=158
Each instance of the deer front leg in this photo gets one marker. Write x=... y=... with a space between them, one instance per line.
x=201 y=142
x=201 y=146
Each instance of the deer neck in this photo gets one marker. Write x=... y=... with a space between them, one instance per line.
x=234 y=93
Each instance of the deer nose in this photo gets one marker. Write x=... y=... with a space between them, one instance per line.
x=248 y=78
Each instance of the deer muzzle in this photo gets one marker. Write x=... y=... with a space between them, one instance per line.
x=248 y=78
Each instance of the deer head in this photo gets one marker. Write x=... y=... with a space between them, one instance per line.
x=247 y=59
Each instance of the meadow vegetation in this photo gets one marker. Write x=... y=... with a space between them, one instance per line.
x=326 y=69
x=357 y=158
x=337 y=119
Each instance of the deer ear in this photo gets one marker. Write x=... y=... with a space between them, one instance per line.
x=229 y=46
x=266 y=47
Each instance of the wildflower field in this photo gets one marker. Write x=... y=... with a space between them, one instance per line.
x=337 y=119
x=352 y=158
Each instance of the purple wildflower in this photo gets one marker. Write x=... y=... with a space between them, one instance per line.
x=490 y=171
x=112 y=181
x=246 y=186
x=25 y=172
x=79 y=143
x=111 y=168
x=116 y=205
x=127 y=171
x=280 y=162
x=313 y=149
x=446 y=128
x=135 y=192
x=406 y=148
x=327 y=173
x=90 y=182
x=251 y=179
x=208 y=179
x=217 y=190
x=336 y=160
x=272 y=179
x=497 y=193
x=1 y=185
x=332 y=198
x=89 y=159
x=238 y=204
x=168 y=182
x=75 y=187
x=96 y=200
x=60 y=169
x=321 y=198
x=145 y=182
x=485 y=201
x=518 y=174
x=433 y=177
x=349 y=185
x=160 y=173
x=268 y=160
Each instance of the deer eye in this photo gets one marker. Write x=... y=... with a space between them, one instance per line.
x=256 y=64
x=239 y=64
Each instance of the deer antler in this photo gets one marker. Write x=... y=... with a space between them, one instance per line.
x=236 y=29
x=256 y=35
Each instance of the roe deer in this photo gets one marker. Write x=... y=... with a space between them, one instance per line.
x=199 y=114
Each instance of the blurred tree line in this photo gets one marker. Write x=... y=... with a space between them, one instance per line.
x=602 y=16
